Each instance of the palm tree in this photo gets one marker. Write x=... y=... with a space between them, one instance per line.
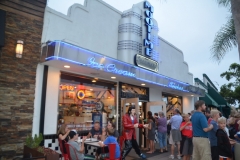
x=224 y=41
x=229 y=35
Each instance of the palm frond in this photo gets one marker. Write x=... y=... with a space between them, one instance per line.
x=224 y=41
x=225 y=3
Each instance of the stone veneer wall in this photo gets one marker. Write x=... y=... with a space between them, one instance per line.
x=17 y=82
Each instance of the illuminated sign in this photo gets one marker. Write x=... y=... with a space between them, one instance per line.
x=80 y=94
x=146 y=63
x=175 y=86
x=108 y=67
x=67 y=87
x=149 y=23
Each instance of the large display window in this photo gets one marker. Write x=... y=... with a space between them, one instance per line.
x=84 y=100
x=172 y=102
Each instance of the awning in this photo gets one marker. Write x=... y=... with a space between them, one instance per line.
x=209 y=100
x=217 y=97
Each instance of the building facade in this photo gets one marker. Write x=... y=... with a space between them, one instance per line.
x=98 y=61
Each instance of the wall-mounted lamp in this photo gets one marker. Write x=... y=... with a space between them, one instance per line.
x=19 y=49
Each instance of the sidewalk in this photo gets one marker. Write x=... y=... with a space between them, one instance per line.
x=163 y=156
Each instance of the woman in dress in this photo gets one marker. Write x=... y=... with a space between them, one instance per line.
x=63 y=136
x=151 y=131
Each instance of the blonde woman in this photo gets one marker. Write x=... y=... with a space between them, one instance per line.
x=187 y=134
x=63 y=135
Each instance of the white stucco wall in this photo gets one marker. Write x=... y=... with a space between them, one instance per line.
x=51 y=105
x=188 y=104
x=94 y=26
x=156 y=95
x=172 y=62
x=37 y=100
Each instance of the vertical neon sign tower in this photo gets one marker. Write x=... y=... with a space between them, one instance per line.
x=138 y=33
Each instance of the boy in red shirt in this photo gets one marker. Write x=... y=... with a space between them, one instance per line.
x=187 y=134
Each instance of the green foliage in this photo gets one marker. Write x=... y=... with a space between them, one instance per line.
x=34 y=142
x=231 y=91
x=224 y=41
x=225 y=3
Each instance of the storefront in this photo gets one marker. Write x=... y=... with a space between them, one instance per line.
x=93 y=67
x=212 y=97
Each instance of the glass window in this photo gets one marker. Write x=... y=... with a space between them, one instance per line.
x=85 y=100
x=172 y=102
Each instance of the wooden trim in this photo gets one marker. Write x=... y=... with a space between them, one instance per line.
x=25 y=4
x=36 y=3
x=22 y=8
x=42 y=1
x=12 y=10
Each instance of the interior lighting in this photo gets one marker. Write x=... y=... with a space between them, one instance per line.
x=143 y=84
x=94 y=81
x=113 y=77
x=66 y=66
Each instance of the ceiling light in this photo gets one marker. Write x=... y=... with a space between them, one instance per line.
x=90 y=89
x=94 y=81
x=113 y=77
x=143 y=84
x=66 y=66
x=123 y=86
x=191 y=95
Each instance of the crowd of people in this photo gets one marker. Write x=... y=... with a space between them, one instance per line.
x=201 y=134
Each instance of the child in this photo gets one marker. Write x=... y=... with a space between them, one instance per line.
x=223 y=143
x=111 y=139
x=187 y=133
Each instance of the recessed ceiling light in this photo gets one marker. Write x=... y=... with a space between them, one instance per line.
x=66 y=66
x=94 y=81
x=113 y=77
x=143 y=84
x=191 y=95
x=90 y=89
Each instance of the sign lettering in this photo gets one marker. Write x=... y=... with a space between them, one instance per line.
x=149 y=24
x=175 y=86
x=109 y=67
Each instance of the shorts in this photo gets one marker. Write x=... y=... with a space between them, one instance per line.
x=171 y=139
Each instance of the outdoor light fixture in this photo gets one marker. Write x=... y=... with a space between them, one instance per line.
x=19 y=49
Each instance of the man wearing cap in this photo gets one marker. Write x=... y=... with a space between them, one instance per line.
x=79 y=149
x=129 y=125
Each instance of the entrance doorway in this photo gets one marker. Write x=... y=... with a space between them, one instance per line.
x=141 y=113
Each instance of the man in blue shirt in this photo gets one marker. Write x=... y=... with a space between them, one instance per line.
x=212 y=134
x=111 y=140
x=175 y=133
x=201 y=146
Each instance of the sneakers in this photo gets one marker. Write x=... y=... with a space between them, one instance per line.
x=171 y=156
x=143 y=156
x=179 y=157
